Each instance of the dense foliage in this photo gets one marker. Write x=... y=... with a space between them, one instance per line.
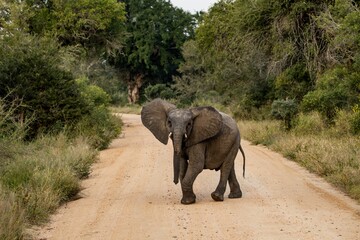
x=40 y=56
x=254 y=53
x=31 y=75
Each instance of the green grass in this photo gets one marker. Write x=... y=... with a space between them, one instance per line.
x=330 y=152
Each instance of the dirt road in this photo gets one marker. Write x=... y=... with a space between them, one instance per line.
x=130 y=195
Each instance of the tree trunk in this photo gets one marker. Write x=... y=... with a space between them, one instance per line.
x=134 y=85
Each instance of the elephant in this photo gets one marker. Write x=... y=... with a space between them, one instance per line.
x=203 y=138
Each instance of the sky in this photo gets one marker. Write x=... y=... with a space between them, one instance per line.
x=193 y=5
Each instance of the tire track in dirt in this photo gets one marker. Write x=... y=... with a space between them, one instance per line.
x=130 y=195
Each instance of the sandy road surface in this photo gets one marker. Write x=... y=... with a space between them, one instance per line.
x=130 y=195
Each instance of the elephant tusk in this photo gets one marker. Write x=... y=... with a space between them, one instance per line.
x=186 y=136
x=170 y=134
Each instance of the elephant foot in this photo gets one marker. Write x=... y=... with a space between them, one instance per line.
x=235 y=194
x=188 y=199
x=217 y=197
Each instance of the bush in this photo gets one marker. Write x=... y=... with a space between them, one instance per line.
x=284 y=110
x=355 y=120
x=99 y=128
x=336 y=89
x=93 y=95
x=31 y=75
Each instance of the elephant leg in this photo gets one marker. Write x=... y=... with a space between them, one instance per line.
x=218 y=194
x=235 y=191
x=183 y=168
x=195 y=166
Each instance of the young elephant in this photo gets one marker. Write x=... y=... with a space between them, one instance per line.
x=203 y=138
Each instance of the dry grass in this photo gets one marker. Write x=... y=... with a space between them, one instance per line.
x=334 y=156
x=131 y=109
x=36 y=178
x=12 y=217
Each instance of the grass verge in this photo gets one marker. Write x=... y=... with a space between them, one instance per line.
x=35 y=178
x=329 y=152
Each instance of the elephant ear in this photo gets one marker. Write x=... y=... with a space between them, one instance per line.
x=154 y=116
x=207 y=123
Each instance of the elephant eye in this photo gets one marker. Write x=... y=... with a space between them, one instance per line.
x=169 y=123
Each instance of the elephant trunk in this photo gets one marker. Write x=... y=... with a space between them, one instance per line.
x=176 y=167
x=177 y=141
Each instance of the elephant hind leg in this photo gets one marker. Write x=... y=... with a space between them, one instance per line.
x=226 y=172
x=235 y=191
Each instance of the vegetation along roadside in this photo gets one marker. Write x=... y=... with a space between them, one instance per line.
x=289 y=71
x=331 y=152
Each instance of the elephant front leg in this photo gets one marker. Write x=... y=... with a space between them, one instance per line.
x=189 y=196
x=183 y=168
x=192 y=171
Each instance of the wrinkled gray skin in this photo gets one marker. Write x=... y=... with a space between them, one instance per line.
x=203 y=138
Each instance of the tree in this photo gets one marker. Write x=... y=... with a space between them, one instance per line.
x=152 y=53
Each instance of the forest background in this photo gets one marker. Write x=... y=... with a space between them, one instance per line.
x=288 y=69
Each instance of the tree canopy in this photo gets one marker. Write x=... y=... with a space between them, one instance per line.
x=152 y=53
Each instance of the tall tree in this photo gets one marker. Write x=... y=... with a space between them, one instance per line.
x=157 y=31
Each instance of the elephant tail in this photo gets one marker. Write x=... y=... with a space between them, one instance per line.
x=243 y=154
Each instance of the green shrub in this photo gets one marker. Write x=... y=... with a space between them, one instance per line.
x=336 y=89
x=284 y=110
x=355 y=120
x=99 y=128
x=31 y=71
x=93 y=95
